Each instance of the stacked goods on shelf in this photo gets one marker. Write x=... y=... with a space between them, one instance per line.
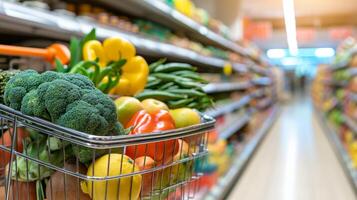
x=188 y=8
x=143 y=27
x=240 y=126
x=333 y=92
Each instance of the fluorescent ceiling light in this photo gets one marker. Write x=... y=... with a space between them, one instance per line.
x=290 y=61
x=324 y=52
x=290 y=26
x=276 y=53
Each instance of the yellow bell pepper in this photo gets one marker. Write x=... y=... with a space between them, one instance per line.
x=118 y=48
x=92 y=50
x=133 y=78
x=134 y=73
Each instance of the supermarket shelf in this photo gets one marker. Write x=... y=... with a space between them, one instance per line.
x=258 y=93
x=242 y=120
x=260 y=70
x=350 y=123
x=164 y=14
x=263 y=81
x=226 y=87
x=353 y=96
x=264 y=103
x=339 y=148
x=225 y=184
x=229 y=108
x=16 y=17
x=336 y=83
x=344 y=64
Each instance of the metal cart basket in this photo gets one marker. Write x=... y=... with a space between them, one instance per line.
x=41 y=160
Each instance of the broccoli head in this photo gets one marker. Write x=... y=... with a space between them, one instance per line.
x=70 y=100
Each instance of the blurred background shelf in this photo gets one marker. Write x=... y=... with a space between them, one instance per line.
x=16 y=17
x=339 y=148
x=162 y=13
x=241 y=121
x=226 y=87
x=216 y=112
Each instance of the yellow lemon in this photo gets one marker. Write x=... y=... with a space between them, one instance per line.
x=129 y=187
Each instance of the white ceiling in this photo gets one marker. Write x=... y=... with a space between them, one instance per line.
x=274 y=8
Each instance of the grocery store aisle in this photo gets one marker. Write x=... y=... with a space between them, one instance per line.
x=294 y=162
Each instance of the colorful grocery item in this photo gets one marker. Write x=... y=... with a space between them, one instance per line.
x=146 y=123
x=129 y=187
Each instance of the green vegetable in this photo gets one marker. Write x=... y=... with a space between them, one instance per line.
x=171 y=67
x=27 y=170
x=188 y=92
x=176 y=84
x=70 y=100
x=4 y=78
x=159 y=95
x=179 y=103
x=169 y=77
x=154 y=65
x=166 y=86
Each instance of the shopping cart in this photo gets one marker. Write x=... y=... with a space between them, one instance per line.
x=49 y=163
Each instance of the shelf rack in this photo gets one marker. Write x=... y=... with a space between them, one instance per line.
x=162 y=13
x=339 y=148
x=230 y=107
x=226 y=87
x=243 y=119
x=262 y=81
x=350 y=123
x=19 y=18
x=227 y=182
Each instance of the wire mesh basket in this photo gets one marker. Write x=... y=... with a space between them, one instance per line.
x=41 y=160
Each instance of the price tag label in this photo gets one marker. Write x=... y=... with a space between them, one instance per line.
x=227 y=69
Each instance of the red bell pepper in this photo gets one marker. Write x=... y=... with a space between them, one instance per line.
x=145 y=123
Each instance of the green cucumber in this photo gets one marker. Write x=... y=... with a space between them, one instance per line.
x=159 y=95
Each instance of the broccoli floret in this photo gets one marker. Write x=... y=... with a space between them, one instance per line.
x=33 y=105
x=17 y=87
x=70 y=100
x=103 y=104
x=58 y=95
x=80 y=80
x=84 y=117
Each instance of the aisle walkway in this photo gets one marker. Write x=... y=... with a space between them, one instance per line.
x=294 y=162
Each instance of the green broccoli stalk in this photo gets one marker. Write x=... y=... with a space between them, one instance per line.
x=27 y=170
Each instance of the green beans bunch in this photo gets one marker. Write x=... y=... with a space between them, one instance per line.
x=176 y=84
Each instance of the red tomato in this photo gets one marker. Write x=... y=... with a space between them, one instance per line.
x=5 y=140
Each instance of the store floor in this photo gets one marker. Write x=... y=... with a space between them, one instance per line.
x=294 y=162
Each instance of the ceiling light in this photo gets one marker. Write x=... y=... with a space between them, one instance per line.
x=324 y=52
x=276 y=53
x=290 y=26
x=290 y=61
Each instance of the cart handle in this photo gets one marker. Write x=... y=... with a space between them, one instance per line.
x=50 y=53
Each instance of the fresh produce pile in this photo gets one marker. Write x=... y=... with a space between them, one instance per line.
x=77 y=97
x=176 y=84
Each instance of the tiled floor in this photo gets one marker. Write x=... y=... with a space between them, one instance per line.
x=294 y=162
